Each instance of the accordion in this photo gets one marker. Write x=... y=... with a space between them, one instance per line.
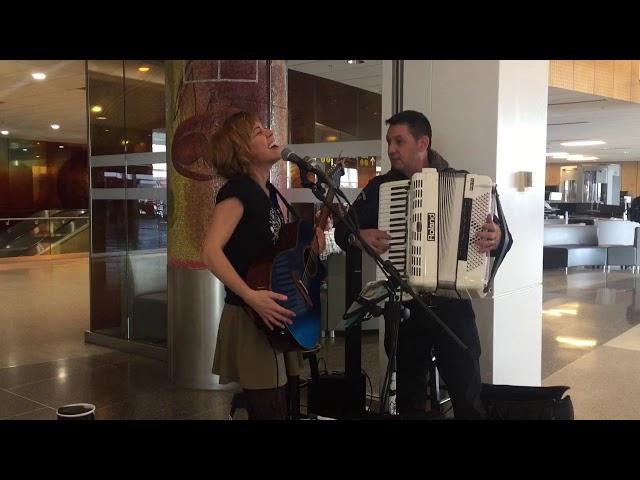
x=433 y=220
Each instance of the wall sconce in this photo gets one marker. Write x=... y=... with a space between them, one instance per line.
x=524 y=180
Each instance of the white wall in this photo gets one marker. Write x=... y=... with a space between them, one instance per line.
x=489 y=117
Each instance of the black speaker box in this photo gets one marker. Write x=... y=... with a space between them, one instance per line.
x=338 y=396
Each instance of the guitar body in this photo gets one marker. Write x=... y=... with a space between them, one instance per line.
x=284 y=272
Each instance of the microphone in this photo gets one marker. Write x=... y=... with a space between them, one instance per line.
x=305 y=164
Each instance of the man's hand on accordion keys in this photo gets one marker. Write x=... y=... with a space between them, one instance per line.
x=320 y=243
x=489 y=237
x=378 y=239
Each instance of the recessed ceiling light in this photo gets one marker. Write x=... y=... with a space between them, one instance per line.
x=60 y=146
x=96 y=109
x=143 y=69
x=581 y=157
x=38 y=76
x=355 y=62
x=55 y=126
x=101 y=118
x=582 y=143
x=556 y=154
x=4 y=132
x=24 y=149
x=37 y=156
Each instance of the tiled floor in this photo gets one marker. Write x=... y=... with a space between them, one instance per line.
x=600 y=315
x=44 y=311
x=44 y=362
x=591 y=342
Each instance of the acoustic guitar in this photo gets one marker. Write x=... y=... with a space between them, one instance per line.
x=294 y=269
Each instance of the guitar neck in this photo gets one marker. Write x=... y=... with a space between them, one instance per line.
x=322 y=219
x=336 y=171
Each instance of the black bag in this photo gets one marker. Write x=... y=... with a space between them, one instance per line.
x=509 y=402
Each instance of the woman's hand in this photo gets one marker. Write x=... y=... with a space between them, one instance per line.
x=263 y=302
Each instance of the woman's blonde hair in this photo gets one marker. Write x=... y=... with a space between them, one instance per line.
x=230 y=144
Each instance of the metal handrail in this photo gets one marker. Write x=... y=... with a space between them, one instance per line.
x=42 y=218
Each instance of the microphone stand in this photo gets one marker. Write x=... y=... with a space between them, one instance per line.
x=393 y=310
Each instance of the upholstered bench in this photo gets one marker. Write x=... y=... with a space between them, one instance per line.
x=622 y=239
x=572 y=246
x=148 y=297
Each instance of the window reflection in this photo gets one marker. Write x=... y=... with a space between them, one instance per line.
x=147 y=224
x=147 y=176
x=38 y=175
x=357 y=171
x=330 y=102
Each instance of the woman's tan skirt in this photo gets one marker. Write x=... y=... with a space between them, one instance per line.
x=244 y=355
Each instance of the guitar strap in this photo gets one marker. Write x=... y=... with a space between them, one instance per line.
x=275 y=193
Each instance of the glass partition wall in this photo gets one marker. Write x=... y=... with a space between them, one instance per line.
x=44 y=198
x=335 y=109
x=125 y=107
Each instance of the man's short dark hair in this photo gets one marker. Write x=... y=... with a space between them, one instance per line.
x=417 y=122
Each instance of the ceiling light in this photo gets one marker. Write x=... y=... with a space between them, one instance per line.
x=55 y=126
x=582 y=143
x=331 y=138
x=4 y=132
x=60 y=146
x=101 y=118
x=96 y=109
x=38 y=76
x=355 y=62
x=37 y=156
x=143 y=69
x=581 y=157
x=24 y=149
x=557 y=154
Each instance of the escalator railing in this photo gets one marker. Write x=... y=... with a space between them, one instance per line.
x=47 y=232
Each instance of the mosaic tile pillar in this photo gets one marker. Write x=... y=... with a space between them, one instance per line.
x=200 y=95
